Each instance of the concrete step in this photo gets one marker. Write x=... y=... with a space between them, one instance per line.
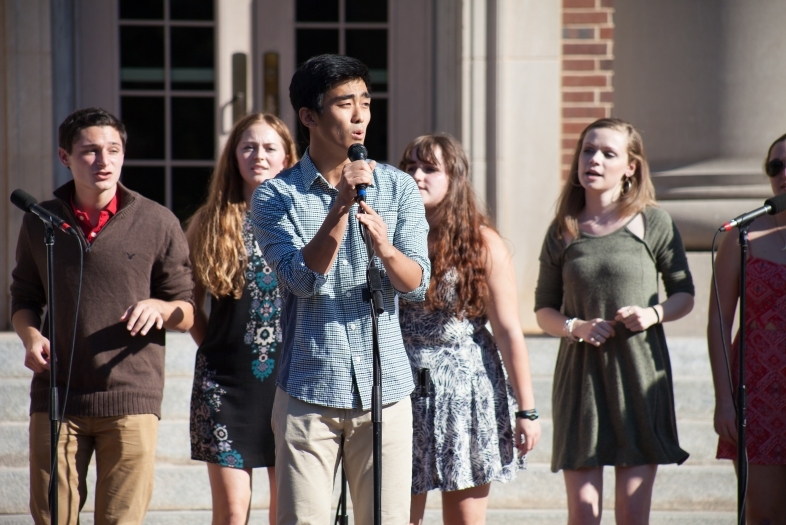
x=696 y=436
x=701 y=491
x=693 y=396
x=688 y=355
x=180 y=487
x=432 y=517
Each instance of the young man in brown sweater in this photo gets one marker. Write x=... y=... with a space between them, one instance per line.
x=137 y=281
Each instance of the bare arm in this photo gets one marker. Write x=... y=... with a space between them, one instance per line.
x=593 y=331
x=199 y=329
x=404 y=273
x=637 y=318
x=727 y=269
x=26 y=325
x=502 y=308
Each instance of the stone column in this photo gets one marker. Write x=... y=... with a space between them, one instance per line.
x=25 y=120
x=526 y=149
x=233 y=35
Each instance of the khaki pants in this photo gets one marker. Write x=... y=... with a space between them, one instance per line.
x=308 y=441
x=125 y=448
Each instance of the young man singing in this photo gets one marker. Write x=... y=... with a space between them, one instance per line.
x=308 y=226
x=137 y=281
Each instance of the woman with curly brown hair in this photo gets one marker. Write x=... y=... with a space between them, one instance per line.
x=612 y=401
x=234 y=380
x=467 y=427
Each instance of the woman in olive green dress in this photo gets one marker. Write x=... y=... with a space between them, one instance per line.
x=613 y=402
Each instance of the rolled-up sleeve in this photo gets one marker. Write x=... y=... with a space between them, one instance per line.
x=411 y=236
x=281 y=243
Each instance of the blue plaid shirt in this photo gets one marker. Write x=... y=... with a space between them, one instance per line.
x=326 y=355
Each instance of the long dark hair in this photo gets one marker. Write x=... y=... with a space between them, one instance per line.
x=455 y=239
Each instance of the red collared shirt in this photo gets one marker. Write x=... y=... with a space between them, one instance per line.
x=104 y=215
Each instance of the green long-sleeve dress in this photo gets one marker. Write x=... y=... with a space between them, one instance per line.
x=613 y=405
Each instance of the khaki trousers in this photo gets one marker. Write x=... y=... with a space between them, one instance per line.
x=308 y=449
x=125 y=448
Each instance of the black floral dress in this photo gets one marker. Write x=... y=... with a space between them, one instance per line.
x=463 y=431
x=234 y=383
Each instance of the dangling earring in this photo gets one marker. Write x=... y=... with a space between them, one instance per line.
x=626 y=185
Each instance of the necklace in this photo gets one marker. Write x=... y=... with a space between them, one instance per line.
x=780 y=233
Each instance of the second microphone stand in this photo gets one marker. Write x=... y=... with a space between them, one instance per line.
x=742 y=451
x=54 y=403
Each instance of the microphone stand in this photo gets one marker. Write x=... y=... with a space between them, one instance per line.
x=742 y=451
x=54 y=404
x=372 y=295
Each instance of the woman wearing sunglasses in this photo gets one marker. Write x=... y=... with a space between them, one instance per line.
x=765 y=352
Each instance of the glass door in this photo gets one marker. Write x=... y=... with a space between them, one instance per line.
x=167 y=99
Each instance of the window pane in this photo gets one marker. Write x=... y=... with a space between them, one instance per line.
x=189 y=190
x=144 y=121
x=141 y=57
x=317 y=11
x=370 y=46
x=142 y=9
x=191 y=9
x=192 y=128
x=377 y=133
x=192 y=57
x=366 y=11
x=150 y=181
x=313 y=42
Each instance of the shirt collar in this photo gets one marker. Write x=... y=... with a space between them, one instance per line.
x=309 y=173
x=111 y=208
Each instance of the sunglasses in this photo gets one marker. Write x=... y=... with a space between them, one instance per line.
x=775 y=167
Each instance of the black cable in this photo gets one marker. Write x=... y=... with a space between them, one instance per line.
x=728 y=364
x=720 y=319
x=70 y=359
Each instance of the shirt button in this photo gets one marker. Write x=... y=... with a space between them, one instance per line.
x=345 y=262
x=349 y=294
x=358 y=359
x=351 y=326
x=92 y=234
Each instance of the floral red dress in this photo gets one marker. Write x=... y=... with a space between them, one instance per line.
x=765 y=365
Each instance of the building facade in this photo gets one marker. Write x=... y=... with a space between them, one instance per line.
x=515 y=80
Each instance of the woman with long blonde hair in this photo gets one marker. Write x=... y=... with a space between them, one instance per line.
x=612 y=401
x=234 y=380
x=471 y=425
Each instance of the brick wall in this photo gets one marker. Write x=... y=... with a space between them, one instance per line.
x=587 y=68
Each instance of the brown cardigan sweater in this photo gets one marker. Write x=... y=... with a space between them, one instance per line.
x=141 y=253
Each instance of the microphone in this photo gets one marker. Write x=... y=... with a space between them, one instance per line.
x=358 y=151
x=771 y=206
x=27 y=203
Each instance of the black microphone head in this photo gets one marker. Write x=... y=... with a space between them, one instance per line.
x=357 y=151
x=23 y=200
x=777 y=204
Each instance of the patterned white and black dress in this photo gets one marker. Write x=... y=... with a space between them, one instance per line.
x=234 y=383
x=463 y=430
